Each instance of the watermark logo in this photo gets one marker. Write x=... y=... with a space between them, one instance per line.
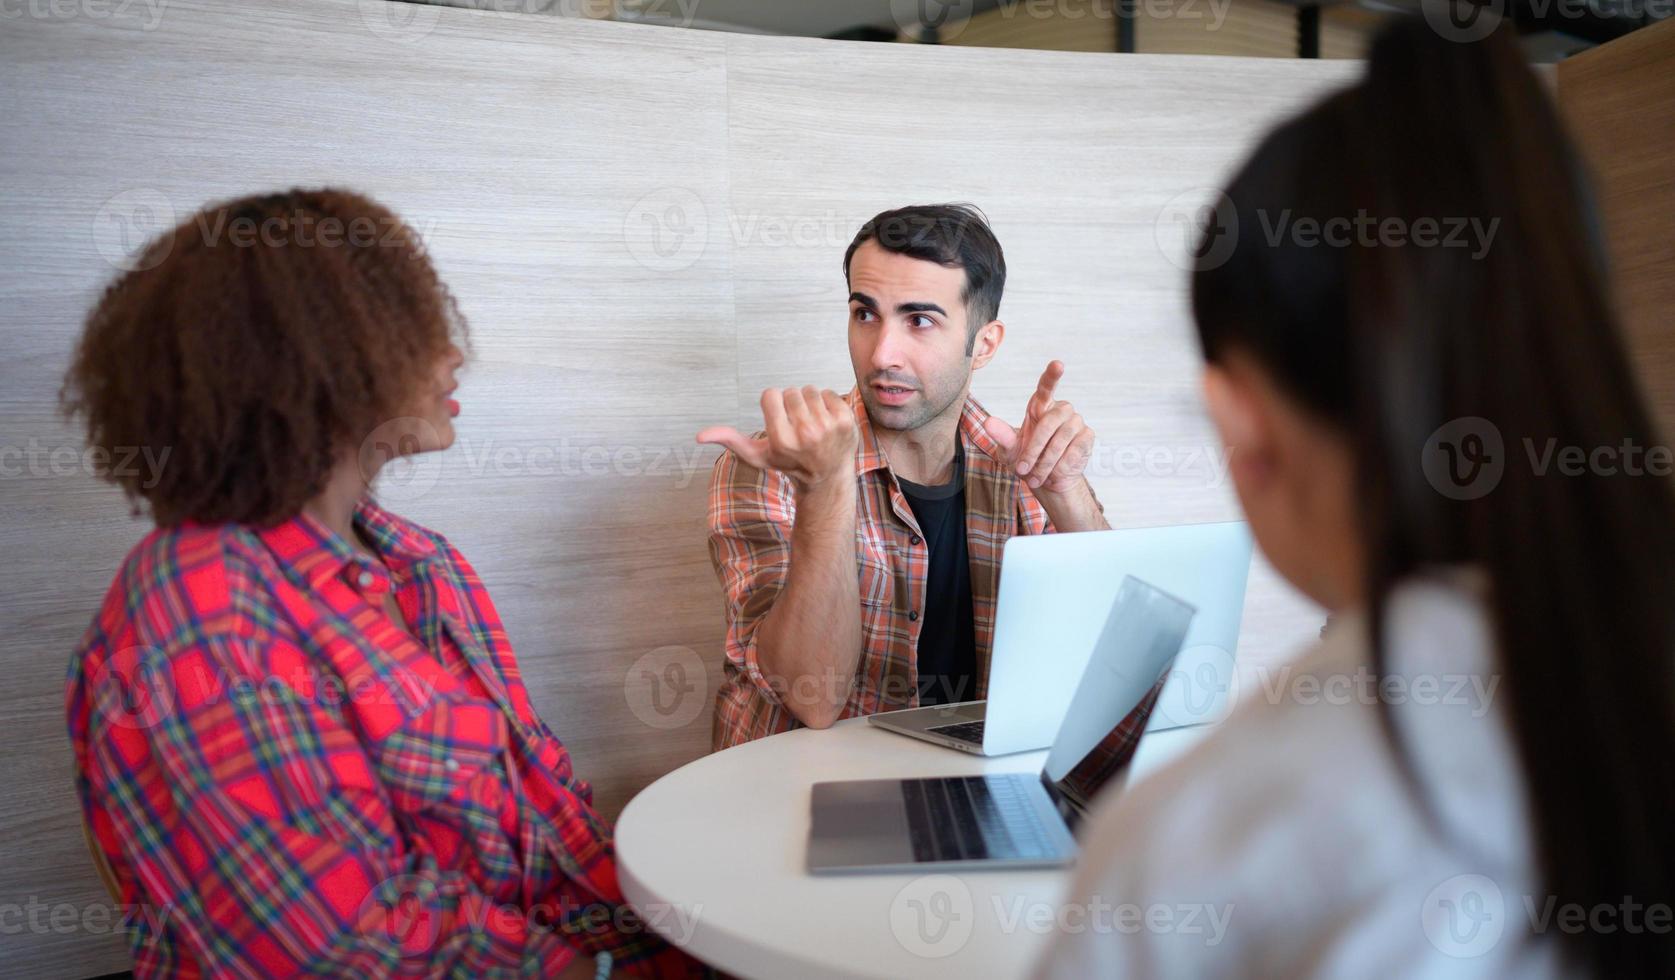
x=1464 y=916
x=1102 y=917
x=143 y=465
x=943 y=19
x=1473 y=693
x=393 y=455
x=405 y=911
x=134 y=688
x=1202 y=685
x=1463 y=21
x=1197 y=229
x=1207 y=465
x=148 y=13
x=399 y=23
x=36 y=917
x=669 y=13
x=667 y=230
x=127 y=222
x=1464 y=459
x=933 y=916
x=667 y=688
x=396 y=455
x=302 y=228
x=1367 y=230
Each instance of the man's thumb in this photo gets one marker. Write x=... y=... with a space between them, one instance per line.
x=752 y=451
x=1003 y=434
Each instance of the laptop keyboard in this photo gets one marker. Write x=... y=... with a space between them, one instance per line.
x=973 y=817
x=965 y=731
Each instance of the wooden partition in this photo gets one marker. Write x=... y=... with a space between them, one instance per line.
x=1619 y=100
x=645 y=227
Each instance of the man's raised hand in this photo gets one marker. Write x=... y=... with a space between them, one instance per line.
x=1052 y=446
x=810 y=436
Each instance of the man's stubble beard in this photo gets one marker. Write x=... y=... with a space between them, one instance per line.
x=876 y=414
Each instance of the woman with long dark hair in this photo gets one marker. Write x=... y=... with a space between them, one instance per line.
x=1435 y=433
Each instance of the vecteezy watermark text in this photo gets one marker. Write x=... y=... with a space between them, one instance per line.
x=1472 y=691
x=1468 y=915
x=1466 y=458
x=934 y=916
x=391 y=456
x=1199 y=228
x=39 y=459
x=1369 y=231
x=945 y=20
x=149 y=12
x=410 y=909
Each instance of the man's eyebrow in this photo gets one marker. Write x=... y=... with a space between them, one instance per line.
x=918 y=307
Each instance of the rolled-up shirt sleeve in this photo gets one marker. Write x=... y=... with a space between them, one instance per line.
x=750 y=518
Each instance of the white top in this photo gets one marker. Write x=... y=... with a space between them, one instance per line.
x=1289 y=844
x=715 y=856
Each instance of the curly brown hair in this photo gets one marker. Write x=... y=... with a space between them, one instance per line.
x=255 y=343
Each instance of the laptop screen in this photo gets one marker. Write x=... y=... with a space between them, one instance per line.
x=1114 y=699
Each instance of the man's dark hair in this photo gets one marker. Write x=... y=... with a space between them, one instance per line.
x=953 y=235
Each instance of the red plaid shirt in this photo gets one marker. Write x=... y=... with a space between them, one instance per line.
x=750 y=517
x=284 y=780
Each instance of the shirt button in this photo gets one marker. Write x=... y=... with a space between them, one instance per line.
x=913 y=616
x=452 y=765
x=365 y=579
x=914 y=539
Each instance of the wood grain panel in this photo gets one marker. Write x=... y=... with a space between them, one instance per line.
x=1346 y=28
x=644 y=227
x=1066 y=25
x=1619 y=100
x=1243 y=28
x=524 y=149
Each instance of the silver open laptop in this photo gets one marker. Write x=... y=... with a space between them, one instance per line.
x=1014 y=819
x=1054 y=592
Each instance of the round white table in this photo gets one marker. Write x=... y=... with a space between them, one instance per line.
x=713 y=856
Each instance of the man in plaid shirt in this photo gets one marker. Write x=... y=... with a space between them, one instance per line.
x=858 y=537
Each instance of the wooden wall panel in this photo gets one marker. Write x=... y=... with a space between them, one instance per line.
x=644 y=227
x=1066 y=25
x=1242 y=28
x=1619 y=100
x=525 y=150
x=1245 y=28
x=1346 y=28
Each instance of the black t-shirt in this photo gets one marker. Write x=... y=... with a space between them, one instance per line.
x=947 y=636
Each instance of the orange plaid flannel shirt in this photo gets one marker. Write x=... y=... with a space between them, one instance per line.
x=750 y=517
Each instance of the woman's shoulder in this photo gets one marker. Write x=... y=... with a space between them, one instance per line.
x=1309 y=728
x=1303 y=784
x=1302 y=749
x=177 y=588
x=201 y=563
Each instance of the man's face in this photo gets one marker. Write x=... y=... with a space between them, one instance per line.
x=908 y=336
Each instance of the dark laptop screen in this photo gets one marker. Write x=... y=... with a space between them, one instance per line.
x=1116 y=695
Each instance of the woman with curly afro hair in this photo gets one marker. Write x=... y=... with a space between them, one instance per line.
x=298 y=725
